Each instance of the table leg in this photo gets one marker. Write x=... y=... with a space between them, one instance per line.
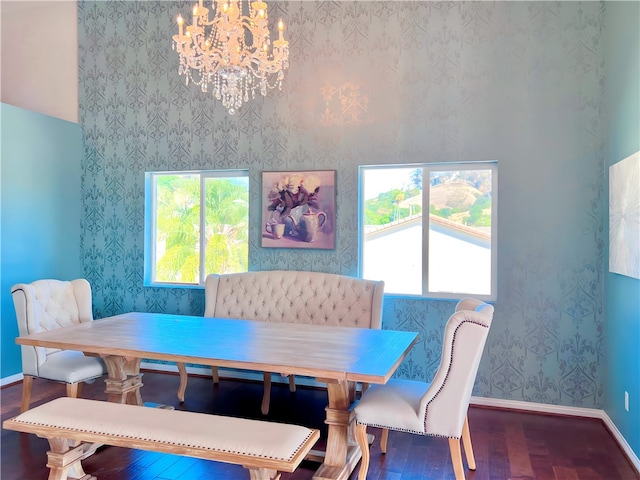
x=342 y=453
x=124 y=380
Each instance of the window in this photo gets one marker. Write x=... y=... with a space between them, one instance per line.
x=430 y=229
x=196 y=223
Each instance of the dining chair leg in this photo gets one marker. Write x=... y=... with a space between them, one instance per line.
x=182 y=369
x=468 y=448
x=292 y=383
x=73 y=389
x=216 y=375
x=456 y=458
x=27 y=385
x=384 y=438
x=363 y=443
x=266 y=396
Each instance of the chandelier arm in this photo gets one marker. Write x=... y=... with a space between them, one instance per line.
x=260 y=69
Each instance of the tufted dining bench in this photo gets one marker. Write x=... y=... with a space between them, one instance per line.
x=76 y=427
x=291 y=296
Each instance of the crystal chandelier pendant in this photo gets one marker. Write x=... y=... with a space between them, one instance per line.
x=232 y=52
x=233 y=84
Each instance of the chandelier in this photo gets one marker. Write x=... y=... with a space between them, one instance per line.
x=232 y=52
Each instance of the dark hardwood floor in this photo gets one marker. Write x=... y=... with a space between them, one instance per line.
x=507 y=444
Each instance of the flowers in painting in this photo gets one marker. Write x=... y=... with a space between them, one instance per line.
x=293 y=190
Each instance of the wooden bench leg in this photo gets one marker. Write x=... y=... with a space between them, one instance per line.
x=63 y=460
x=27 y=385
x=182 y=369
x=263 y=474
x=266 y=396
x=352 y=391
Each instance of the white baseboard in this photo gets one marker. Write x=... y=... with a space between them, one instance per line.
x=537 y=407
x=563 y=410
x=12 y=379
x=633 y=458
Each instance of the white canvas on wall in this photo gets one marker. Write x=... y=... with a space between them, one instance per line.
x=624 y=216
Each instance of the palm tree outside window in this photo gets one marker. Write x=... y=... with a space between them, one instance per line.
x=196 y=223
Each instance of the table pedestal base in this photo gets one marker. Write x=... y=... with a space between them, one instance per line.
x=342 y=452
x=328 y=472
x=124 y=380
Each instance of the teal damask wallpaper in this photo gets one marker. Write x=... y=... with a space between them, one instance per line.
x=372 y=83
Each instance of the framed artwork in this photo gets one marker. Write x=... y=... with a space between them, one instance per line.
x=298 y=209
x=624 y=216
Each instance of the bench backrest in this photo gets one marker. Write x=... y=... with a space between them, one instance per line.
x=295 y=297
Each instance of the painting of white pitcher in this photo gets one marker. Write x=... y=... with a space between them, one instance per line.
x=308 y=225
x=302 y=205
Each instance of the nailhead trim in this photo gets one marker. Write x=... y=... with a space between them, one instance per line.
x=425 y=433
x=164 y=442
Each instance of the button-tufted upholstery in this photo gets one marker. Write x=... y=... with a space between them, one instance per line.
x=291 y=296
x=46 y=305
x=295 y=297
x=438 y=408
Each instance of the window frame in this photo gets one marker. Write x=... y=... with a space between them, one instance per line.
x=427 y=169
x=150 y=218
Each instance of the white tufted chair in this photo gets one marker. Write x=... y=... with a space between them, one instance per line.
x=438 y=408
x=46 y=305
x=291 y=296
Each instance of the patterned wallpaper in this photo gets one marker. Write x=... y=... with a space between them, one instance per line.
x=372 y=83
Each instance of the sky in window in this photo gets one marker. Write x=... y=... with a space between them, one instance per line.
x=380 y=180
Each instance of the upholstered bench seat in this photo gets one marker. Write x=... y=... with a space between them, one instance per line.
x=265 y=448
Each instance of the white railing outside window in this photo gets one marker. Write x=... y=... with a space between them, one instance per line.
x=430 y=229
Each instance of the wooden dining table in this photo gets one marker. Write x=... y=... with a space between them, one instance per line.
x=337 y=356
